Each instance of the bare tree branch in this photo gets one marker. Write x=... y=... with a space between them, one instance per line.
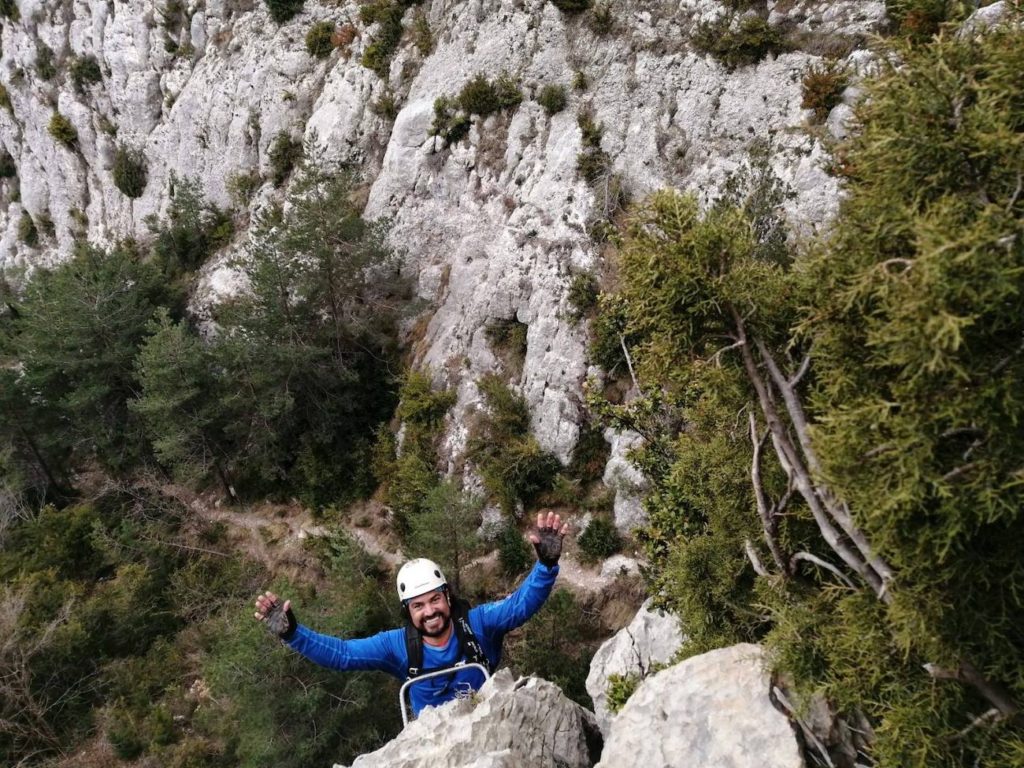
x=808 y=557
x=755 y=559
x=768 y=523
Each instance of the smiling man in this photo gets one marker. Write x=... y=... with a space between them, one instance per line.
x=442 y=630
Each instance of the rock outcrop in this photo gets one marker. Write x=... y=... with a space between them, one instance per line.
x=509 y=723
x=652 y=638
x=710 y=710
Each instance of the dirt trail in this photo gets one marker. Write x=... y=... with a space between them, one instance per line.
x=275 y=534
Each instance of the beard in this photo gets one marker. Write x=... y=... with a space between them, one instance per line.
x=446 y=621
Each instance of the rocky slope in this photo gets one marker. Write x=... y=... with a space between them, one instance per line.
x=492 y=227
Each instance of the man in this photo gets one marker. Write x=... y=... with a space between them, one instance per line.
x=441 y=632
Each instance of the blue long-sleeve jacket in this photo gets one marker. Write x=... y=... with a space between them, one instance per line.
x=386 y=651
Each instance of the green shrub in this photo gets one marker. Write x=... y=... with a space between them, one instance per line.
x=748 y=44
x=552 y=98
x=508 y=339
x=514 y=554
x=85 y=71
x=579 y=80
x=571 y=6
x=920 y=20
x=62 y=130
x=9 y=10
x=422 y=36
x=125 y=735
x=590 y=454
x=284 y=153
x=481 y=96
x=823 y=89
x=388 y=15
x=601 y=21
x=27 y=232
x=512 y=464
x=283 y=10
x=242 y=187
x=385 y=105
x=583 y=293
x=593 y=163
x=319 y=42
x=420 y=403
x=129 y=171
x=450 y=122
x=620 y=688
x=8 y=169
x=599 y=541
x=46 y=65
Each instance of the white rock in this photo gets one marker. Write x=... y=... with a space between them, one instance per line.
x=651 y=638
x=628 y=481
x=508 y=723
x=710 y=710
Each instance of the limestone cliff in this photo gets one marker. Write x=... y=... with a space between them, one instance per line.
x=491 y=227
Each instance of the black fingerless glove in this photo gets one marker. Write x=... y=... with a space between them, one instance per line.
x=549 y=548
x=281 y=622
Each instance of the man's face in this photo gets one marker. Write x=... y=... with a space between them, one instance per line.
x=430 y=613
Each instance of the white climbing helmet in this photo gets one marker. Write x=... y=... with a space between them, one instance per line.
x=417 y=577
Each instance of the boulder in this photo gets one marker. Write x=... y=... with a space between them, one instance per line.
x=651 y=638
x=507 y=723
x=710 y=710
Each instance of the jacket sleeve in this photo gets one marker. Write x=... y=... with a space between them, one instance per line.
x=505 y=615
x=383 y=651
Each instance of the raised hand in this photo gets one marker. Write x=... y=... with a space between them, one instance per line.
x=278 y=616
x=547 y=537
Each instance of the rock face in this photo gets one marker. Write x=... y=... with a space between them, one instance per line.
x=492 y=227
x=509 y=723
x=651 y=638
x=710 y=710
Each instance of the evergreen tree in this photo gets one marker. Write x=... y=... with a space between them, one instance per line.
x=76 y=331
x=835 y=440
x=446 y=530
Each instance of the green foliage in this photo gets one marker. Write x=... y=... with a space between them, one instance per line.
x=450 y=122
x=387 y=14
x=571 y=6
x=412 y=476
x=76 y=334
x=742 y=46
x=481 y=96
x=288 y=394
x=242 y=187
x=599 y=540
x=514 y=553
x=601 y=20
x=46 y=65
x=583 y=293
x=85 y=71
x=552 y=98
x=422 y=36
x=284 y=152
x=319 y=42
x=919 y=20
x=27 y=232
x=129 y=171
x=5 y=99
x=386 y=106
x=513 y=465
x=9 y=10
x=445 y=531
x=508 y=339
x=590 y=454
x=557 y=644
x=620 y=688
x=823 y=88
x=593 y=162
x=910 y=314
x=62 y=130
x=283 y=10
x=192 y=231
